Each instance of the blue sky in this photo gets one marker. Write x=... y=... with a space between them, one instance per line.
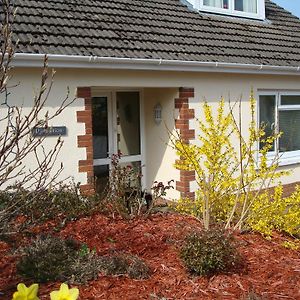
x=291 y=5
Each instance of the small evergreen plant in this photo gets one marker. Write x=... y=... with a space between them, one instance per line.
x=210 y=252
x=51 y=258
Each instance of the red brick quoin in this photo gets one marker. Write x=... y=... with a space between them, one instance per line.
x=187 y=134
x=86 y=140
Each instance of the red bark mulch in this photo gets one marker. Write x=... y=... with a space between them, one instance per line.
x=271 y=270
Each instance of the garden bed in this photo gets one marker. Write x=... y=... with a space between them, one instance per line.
x=269 y=270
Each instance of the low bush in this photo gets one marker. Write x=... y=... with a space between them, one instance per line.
x=210 y=252
x=37 y=206
x=125 y=264
x=50 y=258
x=65 y=200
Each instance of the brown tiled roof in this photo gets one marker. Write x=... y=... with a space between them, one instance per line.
x=164 y=29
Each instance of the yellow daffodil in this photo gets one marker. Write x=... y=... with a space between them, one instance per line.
x=65 y=293
x=26 y=293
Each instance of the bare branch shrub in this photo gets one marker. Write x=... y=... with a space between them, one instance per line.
x=124 y=195
x=17 y=142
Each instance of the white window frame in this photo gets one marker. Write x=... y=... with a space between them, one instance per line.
x=198 y=4
x=289 y=157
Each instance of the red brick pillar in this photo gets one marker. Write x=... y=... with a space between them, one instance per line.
x=186 y=134
x=86 y=140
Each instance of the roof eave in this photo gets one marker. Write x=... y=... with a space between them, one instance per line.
x=96 y=62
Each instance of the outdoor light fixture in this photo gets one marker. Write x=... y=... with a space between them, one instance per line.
x=157 y=114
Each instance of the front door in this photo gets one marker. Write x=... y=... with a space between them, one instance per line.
x=116 y=129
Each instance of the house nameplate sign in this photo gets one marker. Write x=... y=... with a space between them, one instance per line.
x=49 y=131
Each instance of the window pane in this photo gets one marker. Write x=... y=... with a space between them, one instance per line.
x=289 y=124
x=267 y=115
x=290 y=100
x=216 y=3
x=246 y=5
x=100 y=127
x=128 y=123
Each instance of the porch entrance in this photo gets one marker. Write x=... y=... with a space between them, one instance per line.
x=116 y=119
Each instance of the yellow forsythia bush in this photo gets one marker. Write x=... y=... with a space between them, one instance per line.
x=30 y=293
x=293 y=245
x=229 y=175
x=274 y=212
x=213 y=162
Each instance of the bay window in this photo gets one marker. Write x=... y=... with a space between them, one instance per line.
x=280 y=112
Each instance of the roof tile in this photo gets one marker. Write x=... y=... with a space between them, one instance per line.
x=164 y=29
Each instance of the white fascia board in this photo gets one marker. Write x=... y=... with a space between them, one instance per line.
x=95 y=62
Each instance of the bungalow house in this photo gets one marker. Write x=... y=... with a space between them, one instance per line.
x=138 y=67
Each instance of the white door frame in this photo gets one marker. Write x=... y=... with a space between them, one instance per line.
x=111 y=96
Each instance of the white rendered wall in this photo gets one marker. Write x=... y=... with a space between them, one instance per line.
x=158 y=87
x=27 y=86
x=160 y=157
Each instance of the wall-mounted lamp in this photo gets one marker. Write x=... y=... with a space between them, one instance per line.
x=157 y=113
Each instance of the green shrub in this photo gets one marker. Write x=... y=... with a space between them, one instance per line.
x=209 y=252
x=50 y=258
x=65 y=200
x=122 y=264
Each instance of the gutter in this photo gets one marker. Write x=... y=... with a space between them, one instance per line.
x=96 y=62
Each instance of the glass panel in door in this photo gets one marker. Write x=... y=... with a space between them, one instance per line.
x=128 y=133
x=128 y=123
x=100 y=108
x=116 y=128
x=100 y=127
